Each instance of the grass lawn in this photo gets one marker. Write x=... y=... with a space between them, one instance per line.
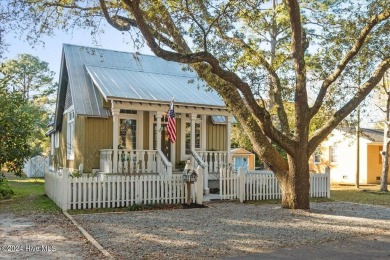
x=367 y=194
x=29 y=197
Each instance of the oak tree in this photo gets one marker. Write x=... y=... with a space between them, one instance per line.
x=253 y=53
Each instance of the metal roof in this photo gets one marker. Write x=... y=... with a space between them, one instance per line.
x=373 y=135
x=94 y=72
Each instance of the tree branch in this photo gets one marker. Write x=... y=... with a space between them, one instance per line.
x=376 y=19
x=363 y=91
x=199 y=57
x=297 y=49
x=118 y=22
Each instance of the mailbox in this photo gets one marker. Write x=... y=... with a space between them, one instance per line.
x=190 y=175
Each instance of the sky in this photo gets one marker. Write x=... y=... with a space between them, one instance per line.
x=52 y=50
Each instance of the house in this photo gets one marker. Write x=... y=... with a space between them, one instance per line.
x=242 y=158
x=111 y=114
x=339 y=152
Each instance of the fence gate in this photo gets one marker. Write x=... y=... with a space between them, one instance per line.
x=35 y=166
x=228 y=184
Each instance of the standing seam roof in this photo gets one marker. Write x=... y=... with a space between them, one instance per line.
x=129 y=76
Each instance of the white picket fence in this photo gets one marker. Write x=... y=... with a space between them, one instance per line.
x=119 y=191
x=36 y=167
x=263 y=185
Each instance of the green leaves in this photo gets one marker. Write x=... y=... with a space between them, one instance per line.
x=25 y=89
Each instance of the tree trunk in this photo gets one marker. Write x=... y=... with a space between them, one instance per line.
x=295 y=185
x=385 y=158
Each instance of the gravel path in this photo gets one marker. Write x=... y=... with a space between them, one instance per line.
x=229 y=229
x=43 y=237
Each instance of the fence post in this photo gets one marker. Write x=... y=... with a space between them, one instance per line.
x=327 y=173
x=241 y=184
x=206 y=179
x=64 y=189
x=199 y=185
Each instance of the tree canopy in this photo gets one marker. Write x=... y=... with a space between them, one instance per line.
x=26 y=88
x=258 y=55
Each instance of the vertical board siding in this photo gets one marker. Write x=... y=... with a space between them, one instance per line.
x=97 y=135
x=215 y=136
x=263 y=185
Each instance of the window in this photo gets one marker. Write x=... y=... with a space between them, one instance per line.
x=333 y=154
x=70 y=136
x=52 y=137
x=128 y=134
x=317 y=157
x=56 y=139
x=188 y=136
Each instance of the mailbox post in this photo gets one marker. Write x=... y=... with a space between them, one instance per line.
x=189 y=177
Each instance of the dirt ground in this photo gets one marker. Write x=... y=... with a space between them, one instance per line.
x=43 y=237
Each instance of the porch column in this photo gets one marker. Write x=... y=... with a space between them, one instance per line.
x=158 y=138
x=203 y=135
x=115 y=138
x=158 y=130
x=192 y=146
x=228 y=138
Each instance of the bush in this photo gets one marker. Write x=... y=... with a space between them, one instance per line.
x=5 y=190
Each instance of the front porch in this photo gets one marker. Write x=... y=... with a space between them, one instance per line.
x=140 y=143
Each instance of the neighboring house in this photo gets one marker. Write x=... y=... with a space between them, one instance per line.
x=111 y=114
x=339 y=152
x=242 y=158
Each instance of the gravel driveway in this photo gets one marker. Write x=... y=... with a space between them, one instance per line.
x=38 y=236
x=229 y=229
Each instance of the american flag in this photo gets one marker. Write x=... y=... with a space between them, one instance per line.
x=171 y=123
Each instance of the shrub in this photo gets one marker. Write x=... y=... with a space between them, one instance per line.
x=5 y=190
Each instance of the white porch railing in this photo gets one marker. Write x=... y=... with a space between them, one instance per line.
x=198 y=161
x=134 y=162
x=214 y=159
x=164 y=166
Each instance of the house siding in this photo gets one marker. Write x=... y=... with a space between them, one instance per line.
x=374 y=167
x=216 y=136
x=97 y=135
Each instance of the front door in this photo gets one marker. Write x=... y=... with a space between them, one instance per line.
x=165 y=143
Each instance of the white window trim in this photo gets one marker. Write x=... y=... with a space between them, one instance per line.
x=184 y=120
x=52 y=141
x=335 y=148
x=314 y=158
x=56 y=139
x=139 y=128
x=70 y=138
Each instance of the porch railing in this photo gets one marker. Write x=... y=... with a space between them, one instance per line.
x=198 y=161
x=134 y=162
x=164 y=166
x=214 y=159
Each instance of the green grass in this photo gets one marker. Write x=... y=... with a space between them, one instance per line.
x=369 y=194
x=29 y=197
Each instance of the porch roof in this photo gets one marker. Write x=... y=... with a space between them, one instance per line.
x=93 y=74
x=151 y=86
